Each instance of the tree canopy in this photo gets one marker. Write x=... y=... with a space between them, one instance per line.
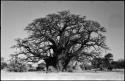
x=64 y=36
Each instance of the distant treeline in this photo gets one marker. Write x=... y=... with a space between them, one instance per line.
x=118 y=64
x=18 y=65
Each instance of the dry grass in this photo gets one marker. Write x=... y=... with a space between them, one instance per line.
x=85 y=75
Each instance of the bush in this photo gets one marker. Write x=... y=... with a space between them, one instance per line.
x=41 y=67
x=70 y=68
x=3 y=65
x=120 y=64
x=17 y=65
x=31 y=68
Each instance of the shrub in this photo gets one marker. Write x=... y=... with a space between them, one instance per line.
x=3 y=65
x=30 y=67
x=17 y=65
x=70 y=68
x=118 y=64
x=41 y=67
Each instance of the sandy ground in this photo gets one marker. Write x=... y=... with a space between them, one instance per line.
x=86 y=75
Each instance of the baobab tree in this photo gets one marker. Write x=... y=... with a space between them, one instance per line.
x=60 y=37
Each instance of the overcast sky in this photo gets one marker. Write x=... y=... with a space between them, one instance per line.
x=16 y=15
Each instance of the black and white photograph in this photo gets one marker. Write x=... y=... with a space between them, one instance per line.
x=62 y=40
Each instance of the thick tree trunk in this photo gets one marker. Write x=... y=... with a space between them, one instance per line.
x=51 y=61
x=60 y=60
x=60 y=65
x=63 y=63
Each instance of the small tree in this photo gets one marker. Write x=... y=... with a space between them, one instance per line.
x=103 y=62
x=108 y=58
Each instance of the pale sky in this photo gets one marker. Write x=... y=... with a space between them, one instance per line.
x=16 y=15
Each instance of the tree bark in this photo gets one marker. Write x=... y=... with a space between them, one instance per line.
x=63 y=62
